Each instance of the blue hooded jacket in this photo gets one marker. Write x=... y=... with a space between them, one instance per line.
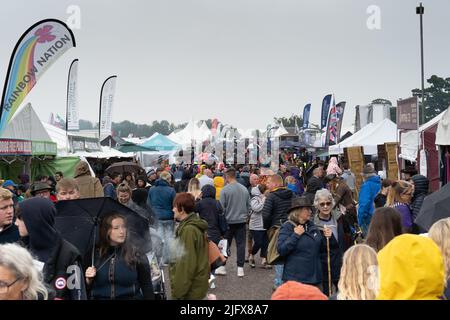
x=160 y=199
x=369 y=189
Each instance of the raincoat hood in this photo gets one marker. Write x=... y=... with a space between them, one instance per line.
x=82 y=169
x=219 y=182
x=208 y=191
x=420 y=185
x=411 y=267
x=193 y=220
x=333 y=160
x=38 y=214
x=255 y=191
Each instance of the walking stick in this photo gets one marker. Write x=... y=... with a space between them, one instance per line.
x=329 y=266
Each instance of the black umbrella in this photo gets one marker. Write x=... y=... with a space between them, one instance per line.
x=436 y=206
x=78 y=222
x=124 y=166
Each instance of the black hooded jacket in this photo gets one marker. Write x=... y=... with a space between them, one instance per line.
x=209 y=209
x=276 y=206
x=420 y=192
x=62 y=261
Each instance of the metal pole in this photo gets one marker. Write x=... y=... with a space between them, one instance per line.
x=420 y=11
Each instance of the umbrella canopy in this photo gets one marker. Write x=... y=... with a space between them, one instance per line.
x=131 y=147
x=121 y=167
x=78 y=222
x=436 y=206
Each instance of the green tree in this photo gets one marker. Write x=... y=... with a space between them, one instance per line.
x=436 y=97
x=382 y=101
x=292 y=121
x=85 y=125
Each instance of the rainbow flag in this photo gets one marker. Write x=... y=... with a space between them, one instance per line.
x=37 y=49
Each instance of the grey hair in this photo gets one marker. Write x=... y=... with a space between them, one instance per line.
x=323 y=193
x=165 y=176
x=20 y=262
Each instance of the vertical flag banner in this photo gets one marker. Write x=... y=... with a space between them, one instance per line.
x=37 y=49
x=72 y=123
x=306 y=112
x=335 y=123
x=106 y=105
x=325 y=110
x=340 y=108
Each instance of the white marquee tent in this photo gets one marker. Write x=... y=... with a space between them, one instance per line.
x=369 y=137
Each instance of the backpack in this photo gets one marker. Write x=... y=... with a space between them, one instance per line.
x=273 y=257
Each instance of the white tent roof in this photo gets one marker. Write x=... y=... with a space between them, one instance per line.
x=106 y=152
x=443 y=129
x=26 y=125
x=58 y=136
x=191 y=132
x=369 y=137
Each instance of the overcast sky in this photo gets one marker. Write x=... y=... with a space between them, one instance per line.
x=241 y=61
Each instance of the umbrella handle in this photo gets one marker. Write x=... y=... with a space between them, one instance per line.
x=329 y=267
x=93 y=246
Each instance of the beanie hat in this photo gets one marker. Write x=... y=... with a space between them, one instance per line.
x=293 y=290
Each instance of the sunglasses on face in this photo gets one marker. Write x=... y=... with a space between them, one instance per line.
x=324 y=204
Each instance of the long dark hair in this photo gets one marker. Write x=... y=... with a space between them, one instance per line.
x=128 y=252
x=385 y=225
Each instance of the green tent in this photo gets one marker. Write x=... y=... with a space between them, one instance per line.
x=131 y=147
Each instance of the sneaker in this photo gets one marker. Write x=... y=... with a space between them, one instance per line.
x=252 y=263
x=221 y=271
x=240 y=272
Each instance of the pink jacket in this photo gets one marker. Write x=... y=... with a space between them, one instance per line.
x=333 y=167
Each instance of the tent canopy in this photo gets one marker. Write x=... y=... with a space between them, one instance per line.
x=443 y=129
x=410 y=140
x=160 y=142
x=27 y=126
x=131 y=147
x=369 y=138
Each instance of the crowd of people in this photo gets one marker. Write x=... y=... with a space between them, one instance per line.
x=331 y=240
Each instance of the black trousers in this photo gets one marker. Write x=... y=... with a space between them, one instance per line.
x=261 y=242
x=237 y=231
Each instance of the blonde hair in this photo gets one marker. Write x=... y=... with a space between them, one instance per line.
x=359 y=278
x=123 y=187
x=397 y=189
x=5 y=194
x=194 y=187
x=440 y=233
x=290 y=179
x=20 y=262
x=67 y=184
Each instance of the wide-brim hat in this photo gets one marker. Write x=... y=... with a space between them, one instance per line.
x=368 y=169
x=39 y=186
x=300 y=202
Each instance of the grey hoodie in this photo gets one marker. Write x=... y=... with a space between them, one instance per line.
x=256 y=206
x=235 y=201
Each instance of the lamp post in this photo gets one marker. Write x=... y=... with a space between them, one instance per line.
x=420 y=11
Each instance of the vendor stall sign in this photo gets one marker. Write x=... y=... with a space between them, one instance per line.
x=15 y=147
x=84 y=144
x=43 y=148
x=407 y=113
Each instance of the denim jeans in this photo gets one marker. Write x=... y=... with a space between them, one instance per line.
x=279 y=268
x=165 y=230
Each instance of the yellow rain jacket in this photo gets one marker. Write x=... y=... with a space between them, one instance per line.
x=411 y=267
x=219 y=182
